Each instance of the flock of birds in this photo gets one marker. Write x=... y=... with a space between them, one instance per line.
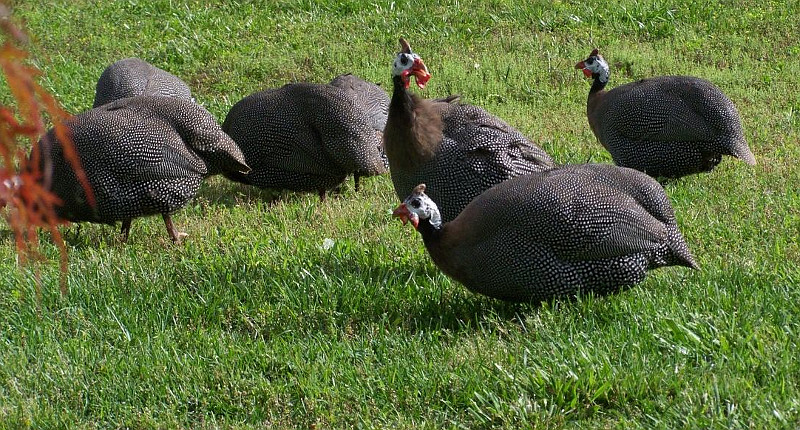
x=493 y=209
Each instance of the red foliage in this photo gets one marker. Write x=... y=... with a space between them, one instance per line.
x=24 y=181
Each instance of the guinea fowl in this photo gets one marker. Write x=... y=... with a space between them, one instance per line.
x=559 y=232
x=666 y=126
x=135 y=77
x=142 y=156
x=458 y=150
x=303 y=137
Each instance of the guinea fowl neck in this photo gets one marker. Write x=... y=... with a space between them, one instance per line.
x=597 y=85
x=435 y=239
x=402 y=104
x=399 y=139
x=430 y=233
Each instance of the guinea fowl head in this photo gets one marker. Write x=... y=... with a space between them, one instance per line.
x=594 y=67
x=418 y=206
x=408 y=63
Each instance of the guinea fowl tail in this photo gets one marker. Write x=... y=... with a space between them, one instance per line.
x=742 y=152
x=680 y=254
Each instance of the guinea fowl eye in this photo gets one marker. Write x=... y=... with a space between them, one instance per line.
x=404 y=60
x=415 y=204
x=590 y=61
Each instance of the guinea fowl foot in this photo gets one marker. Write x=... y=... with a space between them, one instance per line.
x=710 y=161
x=175 y=235
x=125 y=230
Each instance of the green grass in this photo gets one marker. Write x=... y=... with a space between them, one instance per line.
x=252 y=324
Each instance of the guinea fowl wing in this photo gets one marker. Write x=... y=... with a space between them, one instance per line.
x=369 y=96
x=586 y=220
x=490 y=141
x=135 y=147
x=195 y=128
x=641 y=187
x=576 y=219
x=341 y=125
x=655 y=110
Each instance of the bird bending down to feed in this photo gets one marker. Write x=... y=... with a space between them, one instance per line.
x=458 y=150
x=142 y=156
x=553 y=233
x=665 y=126
x=303 y=137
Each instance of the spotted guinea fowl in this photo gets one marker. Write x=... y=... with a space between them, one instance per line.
x=303 y=137
x=135 y=77
x=666 y=126
x=554 y=233
x=143 y=156
x=457 y=149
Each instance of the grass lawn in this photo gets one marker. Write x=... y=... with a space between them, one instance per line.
x=252 y=323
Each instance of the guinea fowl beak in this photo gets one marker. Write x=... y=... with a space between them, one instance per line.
x=420 y=72
x=405 y=215
x=586 y=72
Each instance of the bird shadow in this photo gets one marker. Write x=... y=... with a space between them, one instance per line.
x=228 y=193
x=465 y=312
x=448 y=306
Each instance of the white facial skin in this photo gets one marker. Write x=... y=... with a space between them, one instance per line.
x=403 y=62
x=422 y=207
x=597 y=65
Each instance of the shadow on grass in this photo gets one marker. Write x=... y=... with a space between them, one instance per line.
x=443 y=304
x=466 y=311
x=227 y=193
x=222 y=191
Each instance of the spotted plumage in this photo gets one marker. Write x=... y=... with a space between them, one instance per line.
x=143 y=156
x=554 y=233
x=370 y=96
x=666 y=126
x=132 y=77
x=457 y=149
x=375 y=103
x=303 y=137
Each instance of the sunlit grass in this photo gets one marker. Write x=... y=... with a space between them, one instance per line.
x=253 y=323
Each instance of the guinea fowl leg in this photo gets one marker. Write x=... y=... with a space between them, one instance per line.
x=126 y=229
x=356 y=177
x=174 y=234
x=322 y=195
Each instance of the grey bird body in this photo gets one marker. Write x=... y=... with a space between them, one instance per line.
x=666 y=126
x=132 y=77
x=303 y=137
x=142 y=156
x=559 y=232
x=458 y=150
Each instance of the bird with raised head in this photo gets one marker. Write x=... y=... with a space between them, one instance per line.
x=665 y=126
x=457 y=149
x=559 y=232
